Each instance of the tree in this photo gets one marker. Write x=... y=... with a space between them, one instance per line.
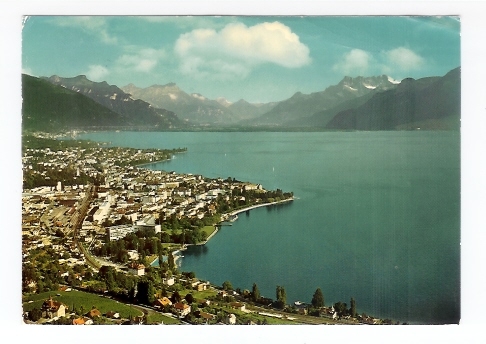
x=176 y=297
x=145 y=292
x=227 y=285
x=189 y=298
x=352 y=310
x=35 y=314
x=255 y=293
x=318 y=299
x=340 y=308
x=281 y=297
x=171 y=261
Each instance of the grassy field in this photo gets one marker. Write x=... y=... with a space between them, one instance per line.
x=198 y=294
x=208 y=230
x=255 y=317
x=157 y=318
x=171 y=245
x=77 y=299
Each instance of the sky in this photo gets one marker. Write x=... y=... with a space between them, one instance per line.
x=256 y=58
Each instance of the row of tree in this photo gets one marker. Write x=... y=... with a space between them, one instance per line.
x=339 y=307
x=281 y=300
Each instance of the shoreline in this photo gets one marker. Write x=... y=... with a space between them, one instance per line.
x=157 y=161
x=216 y=229
x=236 y=212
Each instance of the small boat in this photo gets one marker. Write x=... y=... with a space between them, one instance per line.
x=233 y=218
x=298 y=303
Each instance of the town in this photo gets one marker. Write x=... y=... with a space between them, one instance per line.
x=102 y=237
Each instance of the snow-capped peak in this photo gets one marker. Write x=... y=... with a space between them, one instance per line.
x=223 y=101
x=369 y=87
x=198 y=96
x=393 y=81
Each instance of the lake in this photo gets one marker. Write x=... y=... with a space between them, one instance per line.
x=376 y=216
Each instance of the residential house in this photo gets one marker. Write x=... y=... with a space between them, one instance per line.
x=136 y=269
x=168 y=281
x=78 y=321
x=162 y=302
x=51 y=308
x=112 y=315
x=182 y=309
x=230 y=319
x=238 y=305
x=207 y=316
x=94 y=313
x=203 y=302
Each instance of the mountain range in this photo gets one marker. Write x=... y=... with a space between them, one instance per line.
x=47 y=107
x=432 y=103
x=195 y=107
x=360 y=103
x=135 y=112
x=300 y=105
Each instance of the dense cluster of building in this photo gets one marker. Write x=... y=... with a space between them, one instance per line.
x=128 y=198
x=95 y=196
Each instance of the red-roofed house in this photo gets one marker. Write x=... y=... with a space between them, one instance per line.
x=162 y=302
x=182 y=309
x=238 y=305
x=136 y=269
x=93 y=313
x=78 y=321
x=51 y=308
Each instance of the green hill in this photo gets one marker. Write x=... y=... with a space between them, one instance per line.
x=135 y=111
x=47 y=107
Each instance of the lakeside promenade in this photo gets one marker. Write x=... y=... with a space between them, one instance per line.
x=225 y=216
x=236 y=212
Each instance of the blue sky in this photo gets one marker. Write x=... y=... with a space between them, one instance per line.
x=257 y=58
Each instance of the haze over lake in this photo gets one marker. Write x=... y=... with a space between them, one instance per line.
x=377 y=216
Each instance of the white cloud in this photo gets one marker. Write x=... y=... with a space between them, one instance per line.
x=236 y=49
x=94 y=25
x=97 y=72
x=403 y=59
x=143 y=60
x=356 y=62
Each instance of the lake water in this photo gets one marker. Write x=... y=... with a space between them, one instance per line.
x=377 y=216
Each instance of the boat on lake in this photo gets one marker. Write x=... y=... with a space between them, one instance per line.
x=233 y=218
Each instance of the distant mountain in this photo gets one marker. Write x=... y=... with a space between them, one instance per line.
x=361 y=103
x=244 y=110
x=299 y=106
x=135 y=112
x=223 y=101
x=195 y=107
x=429 y=103
x=48 y=107
x=321 y=118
